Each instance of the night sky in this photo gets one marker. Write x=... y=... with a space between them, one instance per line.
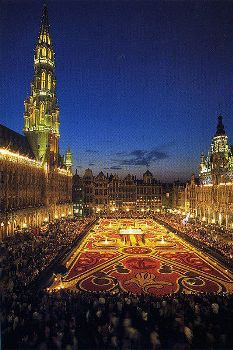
x=139 y=84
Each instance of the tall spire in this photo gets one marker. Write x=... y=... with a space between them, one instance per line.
x=220 y=127
x=41 y=117
x=44 y=34
x=45 y=19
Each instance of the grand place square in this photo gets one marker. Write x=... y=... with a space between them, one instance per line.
x=116 y=180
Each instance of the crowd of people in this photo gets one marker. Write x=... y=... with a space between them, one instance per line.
x=25 y=255
x=70 y=320
x=216 y=238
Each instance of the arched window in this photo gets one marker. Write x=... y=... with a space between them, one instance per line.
x=43 y=80
x=49 y=54
x=44 y=52
x=48 y=40
x=49 y=82
x=44 y=38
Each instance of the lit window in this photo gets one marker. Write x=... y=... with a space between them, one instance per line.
x=44 y=52
x=49 y=54
x=43 y=80
x=49 y=81
x=44 y=38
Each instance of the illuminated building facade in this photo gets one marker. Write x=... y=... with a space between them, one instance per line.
x=36 y=182
x=210 y=198
x=103 y=193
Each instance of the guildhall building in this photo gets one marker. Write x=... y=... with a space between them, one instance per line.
x=110 y=193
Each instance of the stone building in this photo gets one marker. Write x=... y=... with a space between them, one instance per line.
x=173 y=196
x=36 y=182
x=178 y=195
x=210 y=198
x=77 y=195
x=148 y=193
x=103 y=193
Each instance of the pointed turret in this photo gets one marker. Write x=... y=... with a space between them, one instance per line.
x=214 y=168
x=41 y=117
x=68 y=159
x=220 y=127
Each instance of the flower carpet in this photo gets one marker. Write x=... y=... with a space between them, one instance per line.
x=156 y=261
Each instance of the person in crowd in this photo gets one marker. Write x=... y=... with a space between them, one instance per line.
x=74 y=320
x=214 y=237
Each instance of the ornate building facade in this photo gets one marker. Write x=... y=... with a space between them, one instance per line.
x=210 y=198
x=103 y=193
x=36 y=182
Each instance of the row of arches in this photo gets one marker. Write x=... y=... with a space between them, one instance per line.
x=215 y=217
x=29 y=219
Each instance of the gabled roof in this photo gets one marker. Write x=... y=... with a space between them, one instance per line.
x=15 y=142
x=101 y=175
x=148 y=173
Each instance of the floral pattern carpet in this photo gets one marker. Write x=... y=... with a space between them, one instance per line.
x=156 y=262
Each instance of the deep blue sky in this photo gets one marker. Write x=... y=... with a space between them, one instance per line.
x=140 y=84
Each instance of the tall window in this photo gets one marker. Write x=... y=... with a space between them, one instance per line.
x=49 y=81
x=49 y=54
x=44 y=52
x=43 y=80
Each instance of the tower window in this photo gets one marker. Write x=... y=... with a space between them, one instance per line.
x=49 y=54
x=43 y=80
x=49 y=81
x=44 y=52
